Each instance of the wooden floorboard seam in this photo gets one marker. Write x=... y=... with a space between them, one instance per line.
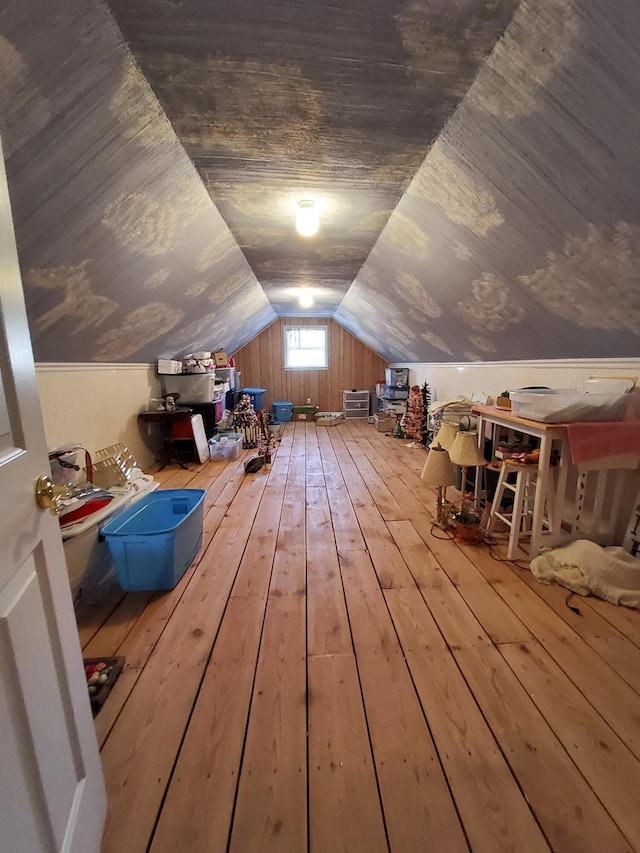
x=341 y=456
x=505 y=753
x=462 y=699
x=168 y=788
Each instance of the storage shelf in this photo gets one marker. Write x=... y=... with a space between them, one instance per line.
x=355 y=404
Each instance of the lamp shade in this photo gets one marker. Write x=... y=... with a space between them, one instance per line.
x=465 y=451
x=438 y=470
x=446 y=436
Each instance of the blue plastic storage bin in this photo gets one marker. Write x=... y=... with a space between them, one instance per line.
x=256 y=395
x=154 y=541
x=282 y=410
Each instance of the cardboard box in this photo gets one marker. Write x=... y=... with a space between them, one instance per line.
x=220 y=358
x=384 y=423
x=168 y=366
x=304 y=413
x=328 y=421
x=503 y=403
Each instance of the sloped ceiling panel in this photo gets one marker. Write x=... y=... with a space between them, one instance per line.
x=337 y=102
x=124 y=255
x=519 y=236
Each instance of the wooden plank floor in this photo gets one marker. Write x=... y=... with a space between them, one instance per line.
x=332 y=675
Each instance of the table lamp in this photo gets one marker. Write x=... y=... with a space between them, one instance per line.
x=466 y=453
x=438 y=471
x=446 y=435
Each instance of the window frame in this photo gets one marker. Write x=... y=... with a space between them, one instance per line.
x=305 y=327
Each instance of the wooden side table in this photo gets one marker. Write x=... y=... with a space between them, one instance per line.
x=166 y=421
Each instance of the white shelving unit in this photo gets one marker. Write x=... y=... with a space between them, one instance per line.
x=355 y=404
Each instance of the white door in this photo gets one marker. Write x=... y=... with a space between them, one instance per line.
x=52 y=794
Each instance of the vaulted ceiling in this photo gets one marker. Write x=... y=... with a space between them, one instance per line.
x=334 y=102
x=473 y=162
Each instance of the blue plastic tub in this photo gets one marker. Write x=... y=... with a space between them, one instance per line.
x=282 y=410
x=154 y=541
x=256 y=395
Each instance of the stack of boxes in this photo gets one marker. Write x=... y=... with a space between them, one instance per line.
x=393 y=397
x=395 y=391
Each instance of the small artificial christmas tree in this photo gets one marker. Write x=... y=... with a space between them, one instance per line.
x=427 y=435
x=245 y=421
x=415 y=415
x=397 y=430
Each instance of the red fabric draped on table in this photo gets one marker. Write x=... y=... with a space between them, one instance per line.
x=589 y=441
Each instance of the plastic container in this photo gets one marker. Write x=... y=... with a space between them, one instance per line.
x=256 y=395
x=227 y=374
x=398 y=377
x=557 y=406
x=226 y=446
x=192 y=387
x=276 y=429
x=88 y=558
x=155 y=540
x=282 y=410
x=393 y=392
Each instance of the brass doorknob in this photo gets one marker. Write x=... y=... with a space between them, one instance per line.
x=48 y=495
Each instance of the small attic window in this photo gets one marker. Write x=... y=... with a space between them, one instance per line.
x=305 y=348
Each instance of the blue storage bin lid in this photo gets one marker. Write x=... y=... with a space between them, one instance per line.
x=253 y=390
x=154 y=513
x=283 y=403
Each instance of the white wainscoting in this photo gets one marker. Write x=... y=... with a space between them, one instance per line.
x=494 y=377
x=96 y=405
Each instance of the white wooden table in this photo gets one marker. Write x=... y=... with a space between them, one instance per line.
x=549 y=489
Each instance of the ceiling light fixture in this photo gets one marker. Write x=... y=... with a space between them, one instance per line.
x=306 y=299
x=307 y=219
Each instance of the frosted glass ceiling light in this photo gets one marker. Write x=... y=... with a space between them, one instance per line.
x=307 y=219
x=306 y=299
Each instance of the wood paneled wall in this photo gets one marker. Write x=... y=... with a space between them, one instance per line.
x=351 y=365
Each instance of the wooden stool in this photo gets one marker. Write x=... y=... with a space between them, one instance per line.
x=519 y=519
